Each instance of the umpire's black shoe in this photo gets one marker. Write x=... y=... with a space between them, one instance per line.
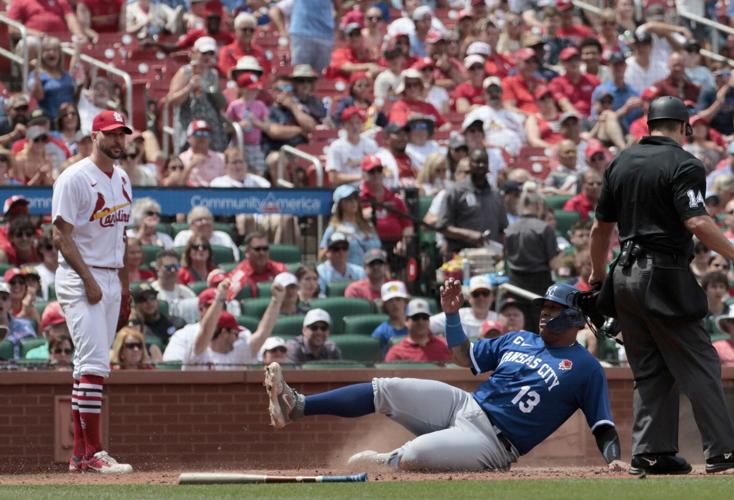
x=659 y=464
x=720 y=462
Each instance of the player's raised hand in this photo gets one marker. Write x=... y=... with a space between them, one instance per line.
x=452 y=296
x=277 y=293
x=92 y=290
x=222 y=289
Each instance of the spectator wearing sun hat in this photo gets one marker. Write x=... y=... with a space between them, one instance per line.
x=345 y=154
x=411 y=90
x=205 y=163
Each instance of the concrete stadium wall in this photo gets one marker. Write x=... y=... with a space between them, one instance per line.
x=210 y=420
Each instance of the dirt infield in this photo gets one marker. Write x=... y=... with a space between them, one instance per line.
x=171 y=477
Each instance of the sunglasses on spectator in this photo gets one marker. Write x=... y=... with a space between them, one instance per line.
x=374 y=18
x=481 y=293
x=17 y=282
x=171 y=267
x=247 y=30
x=476 y=67
x=41 y=138
x=147 y=298
x=263 y=248
x=319 y=327
x=66 y=351
x=201 y=133
x=151 y=213
x=173 y=168
x=133 y=345
x=28 y=233
x=411 y=85
x=48 y=248
x=202 y=220
x=594 y=183
x=419 y=317
x=355 y=34
x=208 y=53
x=21 y=108
x=200 y=246
x=597 y=157
x=374 y=171
x=339 y=248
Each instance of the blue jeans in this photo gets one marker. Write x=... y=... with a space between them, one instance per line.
x=311 y=50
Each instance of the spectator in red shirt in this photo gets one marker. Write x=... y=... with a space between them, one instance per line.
x=15 y=207
x=369 y=288
x=46 y=16
x=448 y=71
x=519 y=89
x=542 y=128
x=470 y=94
x=573 y=89
x=638 y=128
x=597 y=156
x=257 y=266
x=197 y=261
x=101 y=16
x=391 y=228
x=245 y=25
x=410 y=90
x=352 y=57
x=212 y=28
x=497 y=64
x=569 y=29
x=420 y=344
x=677 y=83
x=586 y=200
x=20 y=247
x=397 y=165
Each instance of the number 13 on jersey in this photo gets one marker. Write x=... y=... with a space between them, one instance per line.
x=526 y=399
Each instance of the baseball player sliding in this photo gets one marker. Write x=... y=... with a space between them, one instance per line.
x=537 y=384
x=90 y=210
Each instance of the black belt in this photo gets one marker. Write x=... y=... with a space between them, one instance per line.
x=105 y=268
x=632 y=252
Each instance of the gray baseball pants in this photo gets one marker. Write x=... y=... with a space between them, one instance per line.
x=453 y=432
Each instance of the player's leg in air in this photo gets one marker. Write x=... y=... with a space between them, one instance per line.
x=453 y=432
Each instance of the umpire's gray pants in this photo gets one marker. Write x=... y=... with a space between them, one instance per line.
x=453 y=431
x=667 y=355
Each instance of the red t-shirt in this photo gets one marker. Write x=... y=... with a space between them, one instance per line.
x=639 y=128
x=104 y=14
x=518 y=89
x=475 y=95
x=547 y=132
x=498 y=65
x=339 y=57
x=43 y=15
x=686 y=91
x=188 y=39
x=13 y=259
x=576 y=33
x=186 y=276
x=406 y=350
x=578 y=93
x=403 y=109
x=230 y=54
x=579 y=204
x=389 y=226
x=361 y=290
x=244 y=275
x=405 y=166
x=18 y=145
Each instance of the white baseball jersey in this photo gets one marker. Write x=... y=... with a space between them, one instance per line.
x=98 y=206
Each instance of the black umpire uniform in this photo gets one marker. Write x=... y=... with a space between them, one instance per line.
x=649 y=190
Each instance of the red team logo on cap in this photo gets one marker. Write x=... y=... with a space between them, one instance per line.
x=565 y=365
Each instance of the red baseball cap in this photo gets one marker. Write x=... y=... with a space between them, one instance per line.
x=650 y=93
x=110 y=120
x=568 y=53
x=423 y=63
x=10 y=203
x=12 y=273
x=196 y=126
x=52 y=315
x=207 y=296
x=351 y=111
x=357 y=76
x=215 y=277
x=564 y=5
x=464 y=13
x=249 y=81
x=695 y=120
x=542 y=91
x=595 y=147
x=491 y=325
x=226 y=320
x=371 y=162
x=525 y=54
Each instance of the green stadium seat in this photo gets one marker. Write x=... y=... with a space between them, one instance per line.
x=227 y=227
x=248 y=322
x=264 y=289
x=255 y=307
x=288 y=326
x=165 y=228
x=51 y=292
x=287 y=254
x=565 y=221
x=4 y=267
x=168 y=365
x=6 y=350
x=177 y=227
x=293 y=267
x=338 y=307
x=222 y=254
x=152 y=340
x=360 y=348
x=28 y=344
x=163 y=307
x=363 y=324
x=149 y=253
x=403 y=365
x=424 y=203
x=197 y=286
x=556 y=202
x=337 y=288
x=332 y=364
x=227 y=266
x=40 y=306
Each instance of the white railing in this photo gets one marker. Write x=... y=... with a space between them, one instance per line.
x=279 y=181
x=112 y=70
x=520 y=292
x=22 y=60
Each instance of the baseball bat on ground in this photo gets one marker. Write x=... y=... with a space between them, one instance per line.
x=236 y=478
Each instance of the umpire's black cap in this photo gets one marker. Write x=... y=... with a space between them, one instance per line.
x=669 y=108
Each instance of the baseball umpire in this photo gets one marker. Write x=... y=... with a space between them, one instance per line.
x=90 y=209
x=654 y=191
x=537 y=384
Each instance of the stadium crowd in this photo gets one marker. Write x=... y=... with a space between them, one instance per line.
x=498 y=117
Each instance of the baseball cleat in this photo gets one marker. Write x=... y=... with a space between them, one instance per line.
x=668 y=464
x=102 y=463
x=285 y=403
x=76 y=464
x=370 y=461
x=720 y=463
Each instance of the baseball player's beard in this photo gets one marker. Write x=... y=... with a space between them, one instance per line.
x=108 y=151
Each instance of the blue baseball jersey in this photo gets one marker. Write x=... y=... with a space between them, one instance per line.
x=535 y=388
